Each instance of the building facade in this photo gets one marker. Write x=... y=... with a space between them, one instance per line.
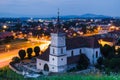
x=63 y=54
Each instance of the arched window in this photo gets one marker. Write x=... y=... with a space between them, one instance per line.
x=53 y=51
x=46 y=67
x=61 y=50
x=96 y=54
x=72 y=54
x=53 y=59
x=80 y=51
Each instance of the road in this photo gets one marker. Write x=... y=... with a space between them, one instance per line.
x=6 y=57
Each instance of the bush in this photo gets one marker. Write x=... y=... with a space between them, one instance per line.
x=29 y=52
x=114 y=64
x=37 y=50
x=100 y=60
x=83 y=62
x=16 y=59
x=22 y=54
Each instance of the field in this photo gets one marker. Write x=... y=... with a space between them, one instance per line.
x=7 y=74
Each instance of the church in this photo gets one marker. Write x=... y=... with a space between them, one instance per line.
x=63 y=53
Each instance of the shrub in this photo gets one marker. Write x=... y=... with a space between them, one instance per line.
x=83 y=62
x=22 y=54
x=16 y=59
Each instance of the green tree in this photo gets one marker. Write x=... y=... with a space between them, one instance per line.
x=15 y=59
x=83 y=62
x=100 y=60
x=106 y=50
x=22 y=54
x=37 y=50
x=29 y=52
x=114 y=64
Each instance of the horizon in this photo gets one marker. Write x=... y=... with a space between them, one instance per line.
x=38 y=8
x=55 y=15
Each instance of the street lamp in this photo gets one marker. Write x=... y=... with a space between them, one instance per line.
x=4 y=28
x=7 y=47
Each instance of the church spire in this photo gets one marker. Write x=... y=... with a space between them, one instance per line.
x=58 y=21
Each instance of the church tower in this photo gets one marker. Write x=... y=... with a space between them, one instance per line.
x=58 y=56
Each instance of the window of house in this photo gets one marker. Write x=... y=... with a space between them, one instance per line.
x=62 y=59
x=52 y=67
x=72 y=54
x=96 y=54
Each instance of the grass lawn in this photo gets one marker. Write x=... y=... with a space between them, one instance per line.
x=7 y=74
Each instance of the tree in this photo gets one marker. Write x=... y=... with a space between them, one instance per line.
x=114 y=64
x=37 y=50
x=106 y=50
x=15 y=59
x=29 y=52
x=100 y=60
x=50 y=25
x=83 y=62
x=22 y=54
x=84 y=28
x=118 y=51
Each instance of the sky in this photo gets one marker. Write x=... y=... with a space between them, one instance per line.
x=37 y=8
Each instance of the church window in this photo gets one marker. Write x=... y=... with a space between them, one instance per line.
x=96 y=54
x=93 y=56
x=53 y=51
x=72 y=54
x=53 y=59
x=52 y=67
x=39 y=63
x=80 y=51
x=61 y=50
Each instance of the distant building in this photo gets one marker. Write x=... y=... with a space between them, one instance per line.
x=3 y=35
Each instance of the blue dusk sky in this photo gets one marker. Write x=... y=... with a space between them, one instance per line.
x=37 y=8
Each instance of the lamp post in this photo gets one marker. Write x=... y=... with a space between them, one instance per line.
x=4 y=28
x=7 y=47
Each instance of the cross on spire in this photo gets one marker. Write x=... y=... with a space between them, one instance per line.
x=58 y=22
x=58 y=19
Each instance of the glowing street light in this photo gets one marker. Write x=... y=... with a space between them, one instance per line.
x=7 y=47
x=4 y=27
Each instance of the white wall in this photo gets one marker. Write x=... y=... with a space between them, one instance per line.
x=57 y=50
x=58 y=60
x=89 y=52
x=57 y=63
x=40 y=64
x=58 y=68
x=75 y=52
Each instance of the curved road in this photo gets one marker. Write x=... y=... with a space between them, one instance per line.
x=6 y=57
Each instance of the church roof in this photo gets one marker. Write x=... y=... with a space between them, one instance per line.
x=80 y=42
x=73 y=59
x=73 y=43
x=45 y=55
